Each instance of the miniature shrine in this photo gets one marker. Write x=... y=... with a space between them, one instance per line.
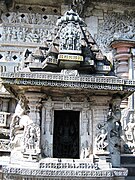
x=66 y=124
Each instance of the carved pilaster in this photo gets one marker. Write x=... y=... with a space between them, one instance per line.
x=47 y=128
x=85 y=131
x=34 y=105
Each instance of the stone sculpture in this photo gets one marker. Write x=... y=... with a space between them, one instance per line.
x=70 y=38
x=114 y=130
x=85 y=150
x=18 y=123
x=114 y=117
x=129 y=135
x=101 y=140
x=31 y=141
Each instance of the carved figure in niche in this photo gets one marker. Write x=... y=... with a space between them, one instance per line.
x=70 y=38
x=101 y=140
x=19 y=121
x=31 y=137
x=130 y=129
x=129 y=133
x=20 y=34
x=39 y=18
x=13 y=17
x=31 y=141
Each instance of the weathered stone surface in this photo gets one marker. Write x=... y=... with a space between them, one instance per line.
x=94 y=98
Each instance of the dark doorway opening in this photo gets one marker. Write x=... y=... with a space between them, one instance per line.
x=66 y=134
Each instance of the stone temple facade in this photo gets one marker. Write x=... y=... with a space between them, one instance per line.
x=67 y=84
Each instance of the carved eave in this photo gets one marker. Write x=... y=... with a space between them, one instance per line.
x=59 y=83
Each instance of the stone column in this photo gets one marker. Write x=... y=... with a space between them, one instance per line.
x=123 y=60
x=122 y=56
x=34 y=105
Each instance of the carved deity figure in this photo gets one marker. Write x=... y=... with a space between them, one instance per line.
x=101 y=140
x=31 y=137
x=19 y=121
x=70 y=38
x=130 y=129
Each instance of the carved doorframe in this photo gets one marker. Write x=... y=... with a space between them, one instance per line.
x=47 y=124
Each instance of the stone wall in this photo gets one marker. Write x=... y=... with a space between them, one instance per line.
x=107 y=21
x=27 y=26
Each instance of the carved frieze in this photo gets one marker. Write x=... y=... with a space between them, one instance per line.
x=64 y=173
x=19 y=28
x=59 y=80
x=116 y=26
x=67 y=84
x=28 y=18
x=14 y=31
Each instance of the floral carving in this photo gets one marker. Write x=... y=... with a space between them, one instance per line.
x=116 y=26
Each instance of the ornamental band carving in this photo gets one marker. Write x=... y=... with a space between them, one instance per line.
x=116 y=26
x=64 y=173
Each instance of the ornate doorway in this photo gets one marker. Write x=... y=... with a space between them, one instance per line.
x=66 y=134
